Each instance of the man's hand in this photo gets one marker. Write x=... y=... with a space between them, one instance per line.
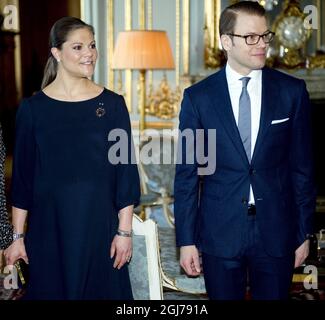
x=302 y=253
x=189 y=260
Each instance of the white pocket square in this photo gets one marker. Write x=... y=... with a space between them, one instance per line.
x=279 y=121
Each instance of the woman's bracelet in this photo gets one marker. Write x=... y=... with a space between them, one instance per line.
x=123 y=233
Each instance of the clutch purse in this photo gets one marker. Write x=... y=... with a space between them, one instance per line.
x=22 y=272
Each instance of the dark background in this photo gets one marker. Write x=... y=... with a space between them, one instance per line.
x=36 y=18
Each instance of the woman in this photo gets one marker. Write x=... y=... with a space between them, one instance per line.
x=5 y=227
x=79 y=204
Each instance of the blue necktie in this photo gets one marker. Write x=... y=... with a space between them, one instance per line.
x=244 y=118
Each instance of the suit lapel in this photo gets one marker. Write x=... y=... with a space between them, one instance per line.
x=267 y=108
x=219 y=97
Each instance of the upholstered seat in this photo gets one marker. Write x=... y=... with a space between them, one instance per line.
x=157 y=179
x=172 y=274
x=155 y=264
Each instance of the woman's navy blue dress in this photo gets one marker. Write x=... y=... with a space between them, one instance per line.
x=63 y=177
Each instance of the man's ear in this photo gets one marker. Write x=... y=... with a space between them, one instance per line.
x=56 y=54
x=226 y=42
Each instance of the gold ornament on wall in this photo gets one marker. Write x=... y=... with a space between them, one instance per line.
x=316 y=62
x=213 y=57
x=213 y=54
x=292 y=34
x=164 y=102
x=268 y=4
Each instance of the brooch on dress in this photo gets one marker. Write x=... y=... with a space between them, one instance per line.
x=100 y=111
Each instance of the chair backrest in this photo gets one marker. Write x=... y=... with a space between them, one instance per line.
x=144 y=268
x=159 y=174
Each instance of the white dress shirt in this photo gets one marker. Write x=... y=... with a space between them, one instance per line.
x=254 y=89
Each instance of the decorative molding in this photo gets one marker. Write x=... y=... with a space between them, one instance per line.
x=213 y=55
x=128 y=73
x=128 y=14
x=186 y=36
x=315 y=81
x=82 y=9
x=321 y=20
x=211 y=21
x=142 y=14
x=154 y=124
x=319 y=27
x=142 y=26
x=150 y=17
x=178 y=35
x=315 y=85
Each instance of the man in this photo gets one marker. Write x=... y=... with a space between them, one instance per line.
x=252 y=217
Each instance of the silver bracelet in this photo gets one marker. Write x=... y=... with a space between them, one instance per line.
x=123 y=233
x=16 y=236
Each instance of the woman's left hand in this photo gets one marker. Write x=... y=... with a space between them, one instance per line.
x=122 y=249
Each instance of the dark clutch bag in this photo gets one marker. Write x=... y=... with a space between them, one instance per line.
x=22 y=272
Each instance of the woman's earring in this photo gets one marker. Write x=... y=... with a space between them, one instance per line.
x=58 y=60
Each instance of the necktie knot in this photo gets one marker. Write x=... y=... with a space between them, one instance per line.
x=245 y=81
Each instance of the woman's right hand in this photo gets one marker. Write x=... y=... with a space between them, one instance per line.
x=16 y=251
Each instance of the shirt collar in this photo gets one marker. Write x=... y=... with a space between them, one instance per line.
x=233 y=76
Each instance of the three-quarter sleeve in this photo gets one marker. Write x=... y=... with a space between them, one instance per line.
x=127 y=175
x=5 y=226
x=23 y=158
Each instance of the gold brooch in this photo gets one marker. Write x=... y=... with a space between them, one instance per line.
x=100 y=111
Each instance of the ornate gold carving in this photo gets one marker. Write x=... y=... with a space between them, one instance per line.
x=291 y=59
x=288 y=45
x=164 y=102
x=154 y=124
x=315 y=62
x=186 y=36
x=110 y=43
x=268 y=4
x=213 y=55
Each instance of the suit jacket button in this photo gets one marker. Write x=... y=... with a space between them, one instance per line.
x=252 y=171
x=244 y=201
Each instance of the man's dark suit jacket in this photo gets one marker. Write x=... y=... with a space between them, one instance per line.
x=212 y=214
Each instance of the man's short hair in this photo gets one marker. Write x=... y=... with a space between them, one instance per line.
x=229 y=15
